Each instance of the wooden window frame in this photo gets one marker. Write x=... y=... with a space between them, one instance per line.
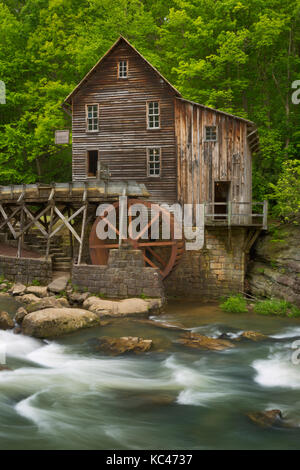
x=127 y=69
x=87 y=164
x=87 y=118
x=148 y=162
x=159 y=115
x=210 y=140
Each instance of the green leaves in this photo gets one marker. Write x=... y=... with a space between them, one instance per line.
x=240 y=56
x=286 y=192
x=46 y=47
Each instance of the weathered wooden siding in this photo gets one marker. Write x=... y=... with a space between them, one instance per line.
x=200 y=164
x=123 y=137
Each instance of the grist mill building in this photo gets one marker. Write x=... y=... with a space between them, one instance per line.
x=132 y=129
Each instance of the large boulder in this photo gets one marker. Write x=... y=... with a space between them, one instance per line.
x=123 y=345
x=52 y=322
x=48 y=302
x=113 y=308
x=6 y=322
x=59 y=284
x=197 y=341
x=39 y=291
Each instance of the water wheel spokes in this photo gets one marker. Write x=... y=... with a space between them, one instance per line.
x=162 y=254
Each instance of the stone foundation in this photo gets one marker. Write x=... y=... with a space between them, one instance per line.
x=216 y=270
x=124 y=276
x=26 y=270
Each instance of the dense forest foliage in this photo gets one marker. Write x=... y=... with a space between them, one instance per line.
x=240 y=56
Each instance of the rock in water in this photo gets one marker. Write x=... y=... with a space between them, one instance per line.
x=126 y=344
x=20 y=314
x=253 y=335
x=52 y=322
x=112 y=308
x=6 y=322
x=195 y=340
x=266 y=419
x=3 y=368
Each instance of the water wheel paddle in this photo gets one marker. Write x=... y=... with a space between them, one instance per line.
x=160 y=253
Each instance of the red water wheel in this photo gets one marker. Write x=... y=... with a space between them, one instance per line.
x=158 y=252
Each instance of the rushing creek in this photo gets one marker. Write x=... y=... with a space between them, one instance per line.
x=62 y=394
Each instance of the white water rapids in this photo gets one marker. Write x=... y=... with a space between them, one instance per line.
x=62 y=395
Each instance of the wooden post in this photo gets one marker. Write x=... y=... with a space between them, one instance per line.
x=51 y=202
x=83 y=223
x=50 y=229
x=265 y=217
x=229 y=213
x=21 y=237
x=70 y=234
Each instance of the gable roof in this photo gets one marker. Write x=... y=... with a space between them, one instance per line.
x=252 y=130
x=118 y=41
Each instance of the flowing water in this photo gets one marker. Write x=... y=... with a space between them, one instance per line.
x=63 y=395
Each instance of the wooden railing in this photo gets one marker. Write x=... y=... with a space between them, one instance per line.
x=237 y=213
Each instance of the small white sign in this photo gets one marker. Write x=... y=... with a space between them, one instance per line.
x=62 y=137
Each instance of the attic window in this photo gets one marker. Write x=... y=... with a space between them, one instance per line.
x=92 y=119
x=211 y=133
x=153 y=115
x=123 y=68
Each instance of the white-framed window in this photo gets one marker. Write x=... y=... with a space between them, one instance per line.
x=153 y=115
x=92 y=117
x=211 y=133
x=123 y=69
x=154 y=161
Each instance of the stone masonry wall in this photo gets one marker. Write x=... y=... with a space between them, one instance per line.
x=216 y=270
x=26 y=270
x=124 y=276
